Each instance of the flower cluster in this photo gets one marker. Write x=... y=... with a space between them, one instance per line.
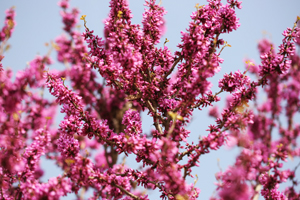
x=9 y=25
x=137 y=76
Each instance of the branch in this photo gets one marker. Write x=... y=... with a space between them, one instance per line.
x=118 y=186
x=156 y=123
x=173 y=66
x=211 y=100
x=125 y=191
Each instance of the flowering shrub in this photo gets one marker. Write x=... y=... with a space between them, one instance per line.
x=139 y=77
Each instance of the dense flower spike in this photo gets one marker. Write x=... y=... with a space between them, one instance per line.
x=138 y=76
x=54 y=189
x=153 y=22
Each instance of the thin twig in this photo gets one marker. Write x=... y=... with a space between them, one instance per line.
x=173 y=66
x=156 y=115
x=125 y=191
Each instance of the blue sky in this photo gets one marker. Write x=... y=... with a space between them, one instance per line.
x=39 y=22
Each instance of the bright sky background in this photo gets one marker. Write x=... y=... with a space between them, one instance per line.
x=39 y=22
